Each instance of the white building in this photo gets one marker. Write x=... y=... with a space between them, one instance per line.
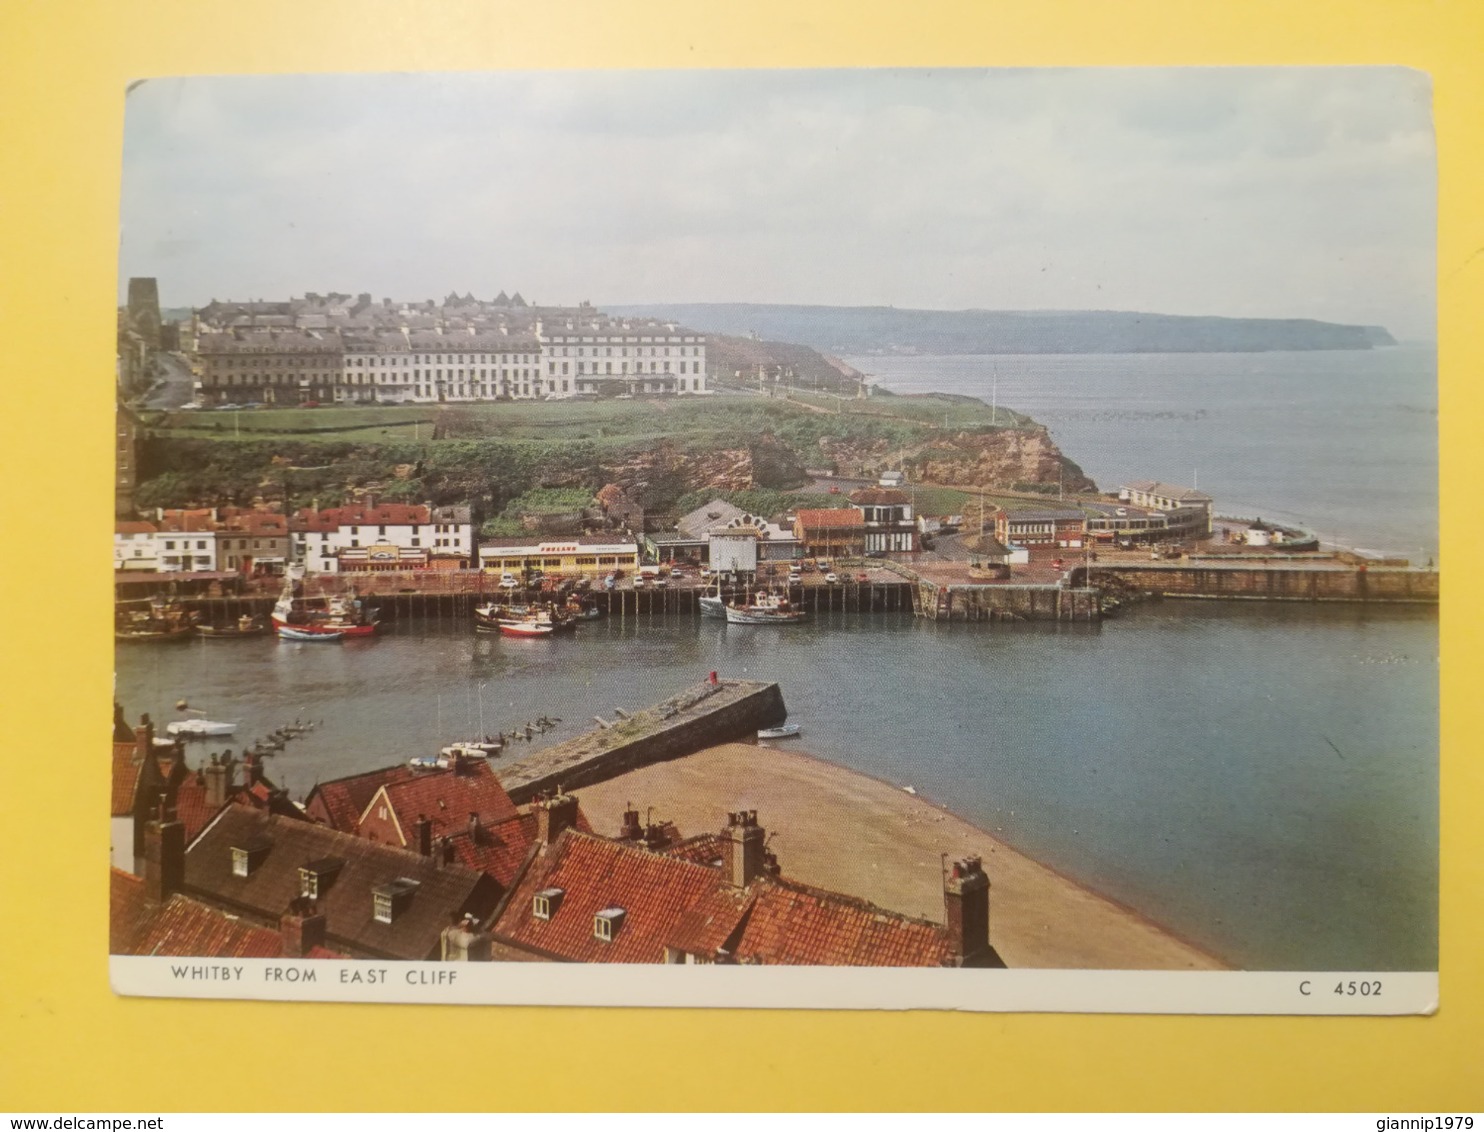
x=134 y=546
x=622 y=356
x=462 y=351
x=386 y=536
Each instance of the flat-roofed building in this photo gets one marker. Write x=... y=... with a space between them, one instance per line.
x=588 y=555
x=1187 y=511
x=1061 y=527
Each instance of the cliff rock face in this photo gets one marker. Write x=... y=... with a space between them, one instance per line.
x=1002 y=457
x=661 y=474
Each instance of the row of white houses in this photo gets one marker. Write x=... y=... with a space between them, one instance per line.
x=595 y=356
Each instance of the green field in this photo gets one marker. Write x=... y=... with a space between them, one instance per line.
x=904 y=418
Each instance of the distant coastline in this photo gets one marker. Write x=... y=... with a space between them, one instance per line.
x=890 y=330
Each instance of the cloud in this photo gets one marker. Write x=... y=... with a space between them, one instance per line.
x=1218 y=191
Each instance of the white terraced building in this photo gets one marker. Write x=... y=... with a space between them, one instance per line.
x=463 y=351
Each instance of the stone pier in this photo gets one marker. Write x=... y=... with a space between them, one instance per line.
x=702 y=715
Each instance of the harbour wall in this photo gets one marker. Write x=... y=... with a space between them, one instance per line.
x=1383 y=585
x=701 y=716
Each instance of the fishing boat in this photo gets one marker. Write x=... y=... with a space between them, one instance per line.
x=540 y=620
x=782 y=731
x=155 y=619
x=247 y=625
x=764 y=609
x=583 y=611
x=713 y=605
x=294 y=633
x=340 y=615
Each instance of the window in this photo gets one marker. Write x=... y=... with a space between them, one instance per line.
x=607 y=922
x=545 y=903
x=388 y=901
x=247 y=858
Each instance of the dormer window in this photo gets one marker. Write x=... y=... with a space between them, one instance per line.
x=246 y=858
x=316 y=876
x=545 y=903
x=392 y=899
x=607 y=922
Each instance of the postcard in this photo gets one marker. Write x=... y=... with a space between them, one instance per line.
x=871 y=539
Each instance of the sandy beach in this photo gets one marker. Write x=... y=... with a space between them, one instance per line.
x=842 y=830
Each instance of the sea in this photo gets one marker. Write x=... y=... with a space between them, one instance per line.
x=1260 y=779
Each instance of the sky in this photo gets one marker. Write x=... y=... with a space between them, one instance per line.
x=1244 y=192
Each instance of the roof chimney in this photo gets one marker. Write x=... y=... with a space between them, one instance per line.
x=144 y=737
x=218 y=779
x=554 y=815
x=631 y=830
x=422 y=835
x=164 y=855
x=463 y=942
x=744 y=860
x=475 y=829
x=966 y=912
x=122 y=732
x=302 y=927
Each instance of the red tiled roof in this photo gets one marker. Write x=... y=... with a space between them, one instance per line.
x=190 y=521
x=815 y=518
x=703 y=849
x=879 y=497
x=128 y=915
x=594 y=874
x=709 y=926
x=448 y=799
x=133 y=527
x=499 y=850
x=187 y=927
x=358 y=514
x=792 y=923
x=262 y=523
x=126 y=766
x=345 y=799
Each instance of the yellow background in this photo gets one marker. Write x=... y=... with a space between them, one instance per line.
x=67 y=1044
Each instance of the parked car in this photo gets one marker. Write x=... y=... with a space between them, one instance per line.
x=831 y=578
x=675 y=572
x=863 y=577
x=705 y=571
x=509 y=582
x=309 y=404
x=795 y=576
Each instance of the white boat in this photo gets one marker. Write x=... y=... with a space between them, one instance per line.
x=712 y=605
x=199 y=728
x=473 y=749
x=765 y=609
x=782 y=731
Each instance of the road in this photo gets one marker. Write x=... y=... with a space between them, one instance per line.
x=173 y=388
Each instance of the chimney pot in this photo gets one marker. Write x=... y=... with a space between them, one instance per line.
x=554 y=815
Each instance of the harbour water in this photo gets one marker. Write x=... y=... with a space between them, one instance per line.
x=1263 y=780
x=1339 y=442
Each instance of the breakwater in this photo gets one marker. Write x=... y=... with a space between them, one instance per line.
x=703 y=715
x=1307 y=582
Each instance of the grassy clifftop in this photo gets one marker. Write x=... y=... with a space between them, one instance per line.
x=660 y=449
